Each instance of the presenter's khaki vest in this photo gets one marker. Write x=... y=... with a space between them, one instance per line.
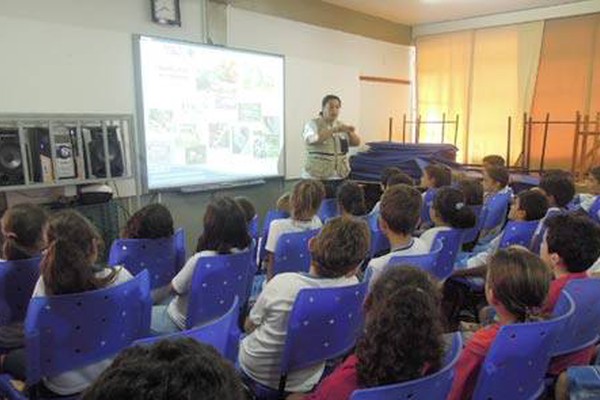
x=325 y=160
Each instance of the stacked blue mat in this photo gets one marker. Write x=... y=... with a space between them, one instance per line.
x=411 y=158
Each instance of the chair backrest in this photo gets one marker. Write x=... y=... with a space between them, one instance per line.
x=538 y=235
x=180 y=249
x=427 y=203
x=158 y=256
x=253 y=227
x=217 y=280
x=379 y=242
x=434 y=386
x=291 y=252
x=495 y=210
x=17 y=281
x=271 y=216
x=594 y=211
x=583 y=328
x=515 y=365
x=471 y=234
x=452 y=240
x=324 y=323
x=67 y=332
x=427 y=261
x=328 y=209
x=217 y=333
x=518 y=232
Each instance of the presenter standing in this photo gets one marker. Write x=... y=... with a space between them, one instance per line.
x=327 y=141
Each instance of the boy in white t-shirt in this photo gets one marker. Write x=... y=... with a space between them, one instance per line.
x=400 y=210
x=336 y=252
x=305 y=201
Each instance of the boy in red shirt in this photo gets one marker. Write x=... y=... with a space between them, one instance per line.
x=571 y=245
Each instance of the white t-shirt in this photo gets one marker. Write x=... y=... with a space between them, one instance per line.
x=182 y=283
x=288 y=225
x=260 y=352
x=376 y=208
x=78 y=380
x=414 y=248
x=482 y=257
x=428 y=237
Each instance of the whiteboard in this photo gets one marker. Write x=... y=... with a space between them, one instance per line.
x=306 y=82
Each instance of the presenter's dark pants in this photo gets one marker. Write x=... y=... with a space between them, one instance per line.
x=331 y=187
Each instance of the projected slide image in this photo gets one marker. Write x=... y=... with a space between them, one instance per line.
x=219 y=136
x=195 y=155
x=219 y=118
x=241 y=140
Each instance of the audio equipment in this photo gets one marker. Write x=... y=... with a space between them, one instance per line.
x=11 y=161
x=64 y=154
x=95 y=154
x=40 y=154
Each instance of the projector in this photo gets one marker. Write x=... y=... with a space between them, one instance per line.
x=95 y=194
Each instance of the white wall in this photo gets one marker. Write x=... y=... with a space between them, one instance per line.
x=76 y=56
x=319 y=61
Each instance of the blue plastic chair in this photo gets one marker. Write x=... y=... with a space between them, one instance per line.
x=292 y=253
x=470 y=235
x=451 y=243
x=494 y=211
x=324 y=324
x=518 y=233
x=158 y=256
x=594 y=211
x=379 y=242
x=67 y=332
x=328 y=209
x=17 y=281
x=180 y=249
x=538 y=235
x=434 y=386
x=428 y=262
x=427 y=204
x=223 y=333
x=271 y=216
x=253 y=227
x=217 y=280
x=515 y=365
x=582 y=329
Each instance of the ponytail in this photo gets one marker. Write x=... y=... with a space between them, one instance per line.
x=451 y=207
x=22 y=227
x=67 y=266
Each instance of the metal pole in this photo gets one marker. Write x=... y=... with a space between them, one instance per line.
x=404 y=128
x=575 y=143
x=390 y=128
x=543 y=156
x=508 y=143
x=524 y=140
x=443 y=126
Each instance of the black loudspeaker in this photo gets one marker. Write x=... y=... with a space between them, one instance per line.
x=95 y=149
x=11 y=162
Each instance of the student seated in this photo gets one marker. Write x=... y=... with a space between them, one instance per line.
x=305 y=200
x=571 y=245
x=403 y=337
x=249 y=213
x=495 y=182
x=586 y=200
x=473 y=191
x=516 y=286
x=434 y=177
x=170 y=369
x=336 y=252
x=493 y=160
x=400 y=209
x=153 y=221
x=225 y=232
x=528 y=205
x=351 y=200
x=68 y=266
x=448 y=211
x=22 y=229
x=559 y=188
x=283 y=203
x=391 y=176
